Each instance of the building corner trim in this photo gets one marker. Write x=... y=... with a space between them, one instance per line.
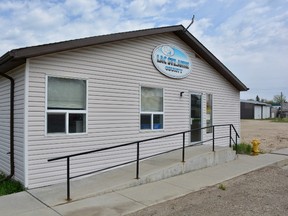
x=26 y=105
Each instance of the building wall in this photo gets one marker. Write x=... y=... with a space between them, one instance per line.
x=4 y=125
x=115 y=72
x=266 y=112
x=18 y=76
x=284 y=107
x=247 y=110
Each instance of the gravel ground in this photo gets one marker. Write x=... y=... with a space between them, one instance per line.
x=262 y=192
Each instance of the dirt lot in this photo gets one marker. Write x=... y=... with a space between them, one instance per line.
x=272 y=135
x=263 y=192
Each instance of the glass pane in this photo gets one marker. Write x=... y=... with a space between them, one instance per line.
x=66 y=93
x=157 y=121
x=195 y=117
x=151 y=99
x=56 y=123
x=145 y=121
x=77 y=123
x=209 y=113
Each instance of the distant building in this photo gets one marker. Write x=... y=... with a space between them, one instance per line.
x=255 y=110
x=284 y=110
x=275 y=112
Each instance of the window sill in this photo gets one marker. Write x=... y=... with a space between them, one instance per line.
x=151 y=131
x=64 y=134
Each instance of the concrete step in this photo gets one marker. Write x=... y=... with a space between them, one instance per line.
x=151 y=170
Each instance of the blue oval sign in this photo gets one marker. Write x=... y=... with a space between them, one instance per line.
x=171 y=61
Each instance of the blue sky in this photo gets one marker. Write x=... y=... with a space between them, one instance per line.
x=249 y=36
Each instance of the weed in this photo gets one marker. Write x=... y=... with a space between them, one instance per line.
x=222 y=187
x=9 y=186
x=243 y=148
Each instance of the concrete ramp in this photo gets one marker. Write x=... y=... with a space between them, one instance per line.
x=196 y=157
x=151 y=170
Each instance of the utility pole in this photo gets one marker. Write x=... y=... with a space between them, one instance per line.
x=281 y=100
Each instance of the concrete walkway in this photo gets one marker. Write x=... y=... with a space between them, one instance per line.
x=124 y=201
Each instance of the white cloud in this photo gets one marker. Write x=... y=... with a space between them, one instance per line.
x=148 y=8
x=250 y=37
x=189 y=3
x=82 y=8
x=199 y=27
x=252 y=42
x=41 y=22
x=255 y=44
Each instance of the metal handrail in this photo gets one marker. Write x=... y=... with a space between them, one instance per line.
x=67 y=157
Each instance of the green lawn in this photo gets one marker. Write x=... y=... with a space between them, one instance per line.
x=284 y=120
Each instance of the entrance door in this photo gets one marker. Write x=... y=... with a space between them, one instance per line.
x=196 y=117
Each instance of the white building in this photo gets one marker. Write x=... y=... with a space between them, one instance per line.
x=102 y=91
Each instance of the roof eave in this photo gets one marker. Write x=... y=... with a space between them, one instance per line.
x=8 y=62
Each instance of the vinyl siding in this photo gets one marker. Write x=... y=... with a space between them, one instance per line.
x=4 y=125
x=115 y=72
x=18 y=76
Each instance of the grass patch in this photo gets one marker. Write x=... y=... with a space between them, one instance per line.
x=283 y=120
x=9 y=186
x=243 y=148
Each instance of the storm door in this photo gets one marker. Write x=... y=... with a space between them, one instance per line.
x=195 y=117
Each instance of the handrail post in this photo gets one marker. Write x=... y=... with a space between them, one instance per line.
x=213 y=141
x=68 y=179
x=137 y=163
x=236 y=142
x=183 y=149
x=230 y=137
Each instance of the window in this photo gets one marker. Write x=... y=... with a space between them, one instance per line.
x=209 y=113
x=151 y=116
x=66 y=105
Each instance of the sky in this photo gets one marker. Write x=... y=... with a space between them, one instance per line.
x=249 y=36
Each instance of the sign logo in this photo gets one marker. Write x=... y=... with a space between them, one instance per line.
x=171 y=61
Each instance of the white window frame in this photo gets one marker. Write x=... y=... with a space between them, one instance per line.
x=64 y=111
x=151 y=113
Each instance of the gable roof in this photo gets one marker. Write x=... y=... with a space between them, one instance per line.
x=255 y=103
x=16 y=57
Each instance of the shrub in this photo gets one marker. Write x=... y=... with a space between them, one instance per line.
x=243 y=148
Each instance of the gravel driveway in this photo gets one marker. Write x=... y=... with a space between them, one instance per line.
x=262 y=192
